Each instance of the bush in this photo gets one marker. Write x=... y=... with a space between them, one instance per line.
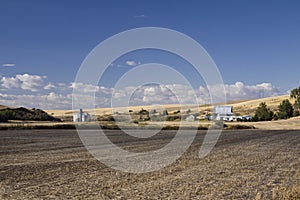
x=144 y=112
x=263 y=113
x=254 y=118
x=173 y=118
x=3 y=118
x=109 y=118
x=285 y=109
x=239 y=126
x=296 y=113
x=176 y=112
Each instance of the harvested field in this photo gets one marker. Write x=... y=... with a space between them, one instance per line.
x=245 y=164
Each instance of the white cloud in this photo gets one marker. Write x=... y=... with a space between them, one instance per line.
x=131 y=63
x=141 y=16
x=238 y=91
x=84 y=88
x=8 y=65
x=47 y=101
x=59 y=96
x=50 y=86
x=31 y=82
x=154 y=94
x=176 y=93
x=10 y=82
x=24 y=81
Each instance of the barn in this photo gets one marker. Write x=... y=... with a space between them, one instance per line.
x=223 y=113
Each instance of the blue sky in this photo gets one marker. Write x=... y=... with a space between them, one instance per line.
x=252 y=42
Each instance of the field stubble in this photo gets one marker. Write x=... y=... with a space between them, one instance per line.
x=245 y=164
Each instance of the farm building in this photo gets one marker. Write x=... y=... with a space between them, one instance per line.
x=190 y=118
x=81 y=116
x=223 y=113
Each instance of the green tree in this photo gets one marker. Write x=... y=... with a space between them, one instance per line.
x=296 y=113
x=263 y=113
x=285 y=109
x=3 y=117
x=295 y=94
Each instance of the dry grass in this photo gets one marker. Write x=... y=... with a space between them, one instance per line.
x=245 y=107
x=3 y=107
x=249 y=107
x=289 y=124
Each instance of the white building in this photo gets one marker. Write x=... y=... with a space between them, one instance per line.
x=190 y=118
x=81 y=116
x=223 y=113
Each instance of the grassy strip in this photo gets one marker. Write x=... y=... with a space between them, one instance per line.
x=116 y=127
x=238 y=126
x=29 y=127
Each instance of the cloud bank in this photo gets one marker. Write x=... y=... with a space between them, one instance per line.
x=24 y=81
x=36 y=91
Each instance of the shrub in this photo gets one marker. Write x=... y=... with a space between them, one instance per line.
x=296 y=113
x=173 y=118
x=263 y=113
x=143 y=112
x=176 y=112
x=239 y=126
x=285 y=109
x=254 y=118
x=3 y=118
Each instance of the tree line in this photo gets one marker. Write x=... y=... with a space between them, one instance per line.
x=285 y=109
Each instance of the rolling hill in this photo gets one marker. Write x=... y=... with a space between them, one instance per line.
x=3 y=107
x=243 y=107
x=25 y=114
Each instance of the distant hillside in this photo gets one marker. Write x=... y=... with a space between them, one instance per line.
x=25 y=114
x=249 y=107
x=243 y=107
x=3 y=107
